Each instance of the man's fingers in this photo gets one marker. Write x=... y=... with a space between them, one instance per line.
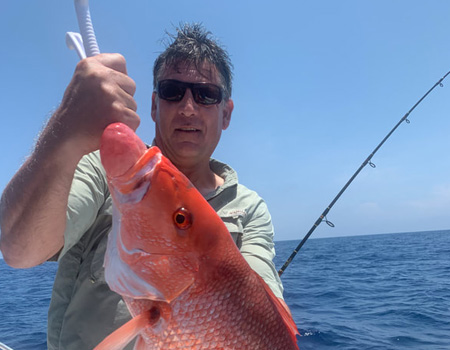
x=132 y=120
x=127 y=84
x=127 y=116
x=111 y=67
x=117 y=63
x=114 y=61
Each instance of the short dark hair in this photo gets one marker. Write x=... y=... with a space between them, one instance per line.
x=193 y=45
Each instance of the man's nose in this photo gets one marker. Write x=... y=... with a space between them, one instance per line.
x=188 y=106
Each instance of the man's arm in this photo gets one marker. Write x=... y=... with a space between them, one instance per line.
x=258 y=246
x=33 y=205
x=258 y=249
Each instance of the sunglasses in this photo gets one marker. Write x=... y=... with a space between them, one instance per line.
x=203 y=93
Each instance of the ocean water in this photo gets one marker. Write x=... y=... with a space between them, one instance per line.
x=366 y=292
x=371 y=292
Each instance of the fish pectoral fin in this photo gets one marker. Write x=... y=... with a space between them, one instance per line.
x=159 y=316
x=122 y=336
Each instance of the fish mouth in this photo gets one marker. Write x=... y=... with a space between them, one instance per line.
x=132 y=186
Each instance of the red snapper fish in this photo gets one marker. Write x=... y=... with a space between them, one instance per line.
x=175 y=264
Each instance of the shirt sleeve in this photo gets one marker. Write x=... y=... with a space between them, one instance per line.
x=258 y=247
x=87 y=195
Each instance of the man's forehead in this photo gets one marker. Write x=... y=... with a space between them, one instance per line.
x=206 y=71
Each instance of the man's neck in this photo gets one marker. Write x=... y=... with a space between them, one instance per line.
x=202 y=177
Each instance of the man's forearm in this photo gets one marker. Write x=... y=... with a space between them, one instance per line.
x=33 y=205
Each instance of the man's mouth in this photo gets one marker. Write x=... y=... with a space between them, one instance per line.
x=188 y=129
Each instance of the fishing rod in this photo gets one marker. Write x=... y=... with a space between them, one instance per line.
x=323 y=216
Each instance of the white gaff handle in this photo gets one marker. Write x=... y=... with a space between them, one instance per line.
x=87 y=39
x=75 y=42
x=86 y=28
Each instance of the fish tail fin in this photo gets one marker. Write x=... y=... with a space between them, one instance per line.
x=122 y=336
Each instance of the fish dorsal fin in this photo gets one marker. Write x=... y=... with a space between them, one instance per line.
x=287 y=317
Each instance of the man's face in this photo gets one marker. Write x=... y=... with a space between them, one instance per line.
x=188 y=132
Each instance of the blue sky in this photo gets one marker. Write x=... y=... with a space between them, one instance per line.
x=317 y=85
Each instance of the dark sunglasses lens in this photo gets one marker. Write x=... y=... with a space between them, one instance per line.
x=208 y=94
x=171 y=91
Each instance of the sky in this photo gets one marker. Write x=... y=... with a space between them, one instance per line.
x=317 y=86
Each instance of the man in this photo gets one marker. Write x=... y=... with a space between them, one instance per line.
x=58 y=204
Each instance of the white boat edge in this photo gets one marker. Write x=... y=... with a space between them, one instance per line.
x=5 y=347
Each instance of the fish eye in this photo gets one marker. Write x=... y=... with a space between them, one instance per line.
x=182 y=218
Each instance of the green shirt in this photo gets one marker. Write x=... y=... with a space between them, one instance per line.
x=83 y=310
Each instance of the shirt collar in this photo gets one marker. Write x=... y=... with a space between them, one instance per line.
x=227 y=173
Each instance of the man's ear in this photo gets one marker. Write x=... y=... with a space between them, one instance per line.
x=229 y=105
x=154 y=106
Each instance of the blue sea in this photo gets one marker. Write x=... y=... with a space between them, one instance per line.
x=389 y=291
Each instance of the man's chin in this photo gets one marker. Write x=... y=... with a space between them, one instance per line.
x=186 y=150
